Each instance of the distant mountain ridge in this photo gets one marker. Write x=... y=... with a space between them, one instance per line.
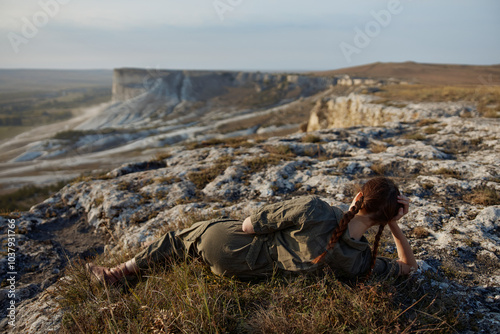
x=433 y=74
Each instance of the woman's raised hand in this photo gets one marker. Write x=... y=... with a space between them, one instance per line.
x=406 y=258
x=402 y=211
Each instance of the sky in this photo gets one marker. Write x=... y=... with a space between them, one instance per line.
x=266 y=35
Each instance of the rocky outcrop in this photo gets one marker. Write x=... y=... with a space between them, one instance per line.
x=356 y=109
x=449 y=168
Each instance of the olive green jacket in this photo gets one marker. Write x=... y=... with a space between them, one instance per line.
x=298 y=230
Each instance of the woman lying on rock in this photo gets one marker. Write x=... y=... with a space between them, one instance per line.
x=299 y=235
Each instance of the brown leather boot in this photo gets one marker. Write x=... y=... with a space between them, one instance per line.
x=112 y=275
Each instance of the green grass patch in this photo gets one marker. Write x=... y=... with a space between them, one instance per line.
x=160 y=156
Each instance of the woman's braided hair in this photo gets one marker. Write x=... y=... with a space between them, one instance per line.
x=380 y=201
x=337 y=233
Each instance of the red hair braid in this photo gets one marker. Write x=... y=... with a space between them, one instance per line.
x=341 y=228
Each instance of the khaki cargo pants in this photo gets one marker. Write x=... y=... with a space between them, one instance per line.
x=219 y=243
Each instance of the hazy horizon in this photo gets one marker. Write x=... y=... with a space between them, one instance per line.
x=218 y=69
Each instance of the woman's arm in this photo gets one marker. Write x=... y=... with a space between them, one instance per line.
x=406 y=260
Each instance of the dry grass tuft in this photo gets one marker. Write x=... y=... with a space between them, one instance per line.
x=205 y=176
x=426 y=121
x=160 y=156
x=276 y=155
x=378 y=147
x=448 y=172
x=226 y=142
x=420 y=232
x=427 y=186
x=310 y=138
x=484 y=196
x=430 y=130
x=378 y=168
x=414 y=136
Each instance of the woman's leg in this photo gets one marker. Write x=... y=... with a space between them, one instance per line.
x=112 y=275
x=231 y=252
x=162 y=251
